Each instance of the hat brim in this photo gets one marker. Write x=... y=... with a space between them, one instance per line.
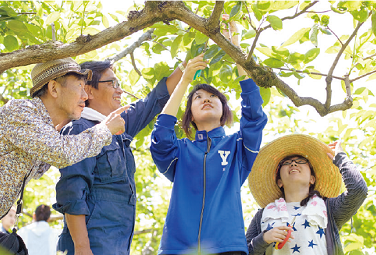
x=262 y=179
x=84 y=72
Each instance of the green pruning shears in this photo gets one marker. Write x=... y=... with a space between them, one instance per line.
x=198 y=72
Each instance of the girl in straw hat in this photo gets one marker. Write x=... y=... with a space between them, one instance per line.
x=297 y=182
x=205 y=212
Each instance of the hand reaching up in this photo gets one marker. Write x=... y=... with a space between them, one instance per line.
x=336 y=147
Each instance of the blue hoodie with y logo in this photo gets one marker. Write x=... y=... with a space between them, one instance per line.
x=205 y=213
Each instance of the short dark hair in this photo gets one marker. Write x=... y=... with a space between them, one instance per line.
x=97 y=67
x=312 y=190
x=42 y=213
x=226 y=117
x=62 y=80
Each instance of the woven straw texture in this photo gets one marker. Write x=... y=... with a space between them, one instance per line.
x=44 y=72
x=262 y=177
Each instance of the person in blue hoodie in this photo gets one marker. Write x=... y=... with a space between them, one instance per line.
x=205 y=211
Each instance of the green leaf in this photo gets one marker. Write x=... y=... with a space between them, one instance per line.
x=311 y=55
x=10 y=43
x=281 y=52
x=213 y=49
x=325 y=31
x=236 y=9
x=248 y=34
x=105 y=22
x=273 y=62
x=313 y=36
x=133 y=77
x=373 y=19
x=256 y=12
x=361 y=15
x=52 y=17
x=265 y=94
x=275 y=22
x=263 y=5
x=114 y=17
x=200 y=38
x=175 y=45
x=17 y=26
x=297 y=36
x=350 y=5
x=9 y=11
x=283 y=5
x=225 y=73
x=217 y=57
x=266 y=51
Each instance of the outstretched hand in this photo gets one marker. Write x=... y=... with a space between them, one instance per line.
x=196 y=63
x=336 y=148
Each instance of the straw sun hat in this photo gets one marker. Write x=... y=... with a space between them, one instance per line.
x=262 y=177
x=44 y=72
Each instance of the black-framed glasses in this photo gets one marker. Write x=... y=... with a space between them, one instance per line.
x=297 y=161
x=115 y=83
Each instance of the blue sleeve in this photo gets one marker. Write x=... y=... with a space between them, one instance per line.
x=144 y=110
x=252 y=123
x=164 y=145
x=75 y=181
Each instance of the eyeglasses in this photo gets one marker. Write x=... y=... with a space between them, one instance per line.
x=115 y=83
x=297 y=161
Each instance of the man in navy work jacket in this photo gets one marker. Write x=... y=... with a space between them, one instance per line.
x=98 y=195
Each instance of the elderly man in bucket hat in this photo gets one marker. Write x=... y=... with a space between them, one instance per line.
x=297 y=180
x=29 y=129
x=98 y=195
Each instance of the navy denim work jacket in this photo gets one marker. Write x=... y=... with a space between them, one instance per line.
x=103 y=187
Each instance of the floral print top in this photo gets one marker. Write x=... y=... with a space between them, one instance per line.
x=29 y=144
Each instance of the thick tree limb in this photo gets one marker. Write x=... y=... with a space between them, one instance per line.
x=214 y=19
x=154 y=12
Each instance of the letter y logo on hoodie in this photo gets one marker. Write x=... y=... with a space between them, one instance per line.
x=224 y=155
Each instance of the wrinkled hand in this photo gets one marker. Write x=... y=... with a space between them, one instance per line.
x=115 y=122
x=277 y=234
x=336 y=148
x=194 y=65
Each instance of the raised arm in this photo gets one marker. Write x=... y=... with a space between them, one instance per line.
x=164 y=144
x=172 y=106
x=346 y=205
x=231 y=32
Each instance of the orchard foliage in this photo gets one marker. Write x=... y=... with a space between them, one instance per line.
x=299 y=52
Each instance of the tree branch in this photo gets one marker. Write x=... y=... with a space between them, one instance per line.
x=374 y=55
x=213 y=21
x=258 y=32
x=144 y=37
x=331 y=70
x=327 y=27
x=249 y=17
x=3 y=99
x=314 y=73
x=296 y=14
x=134 y=65
x=364 y=75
